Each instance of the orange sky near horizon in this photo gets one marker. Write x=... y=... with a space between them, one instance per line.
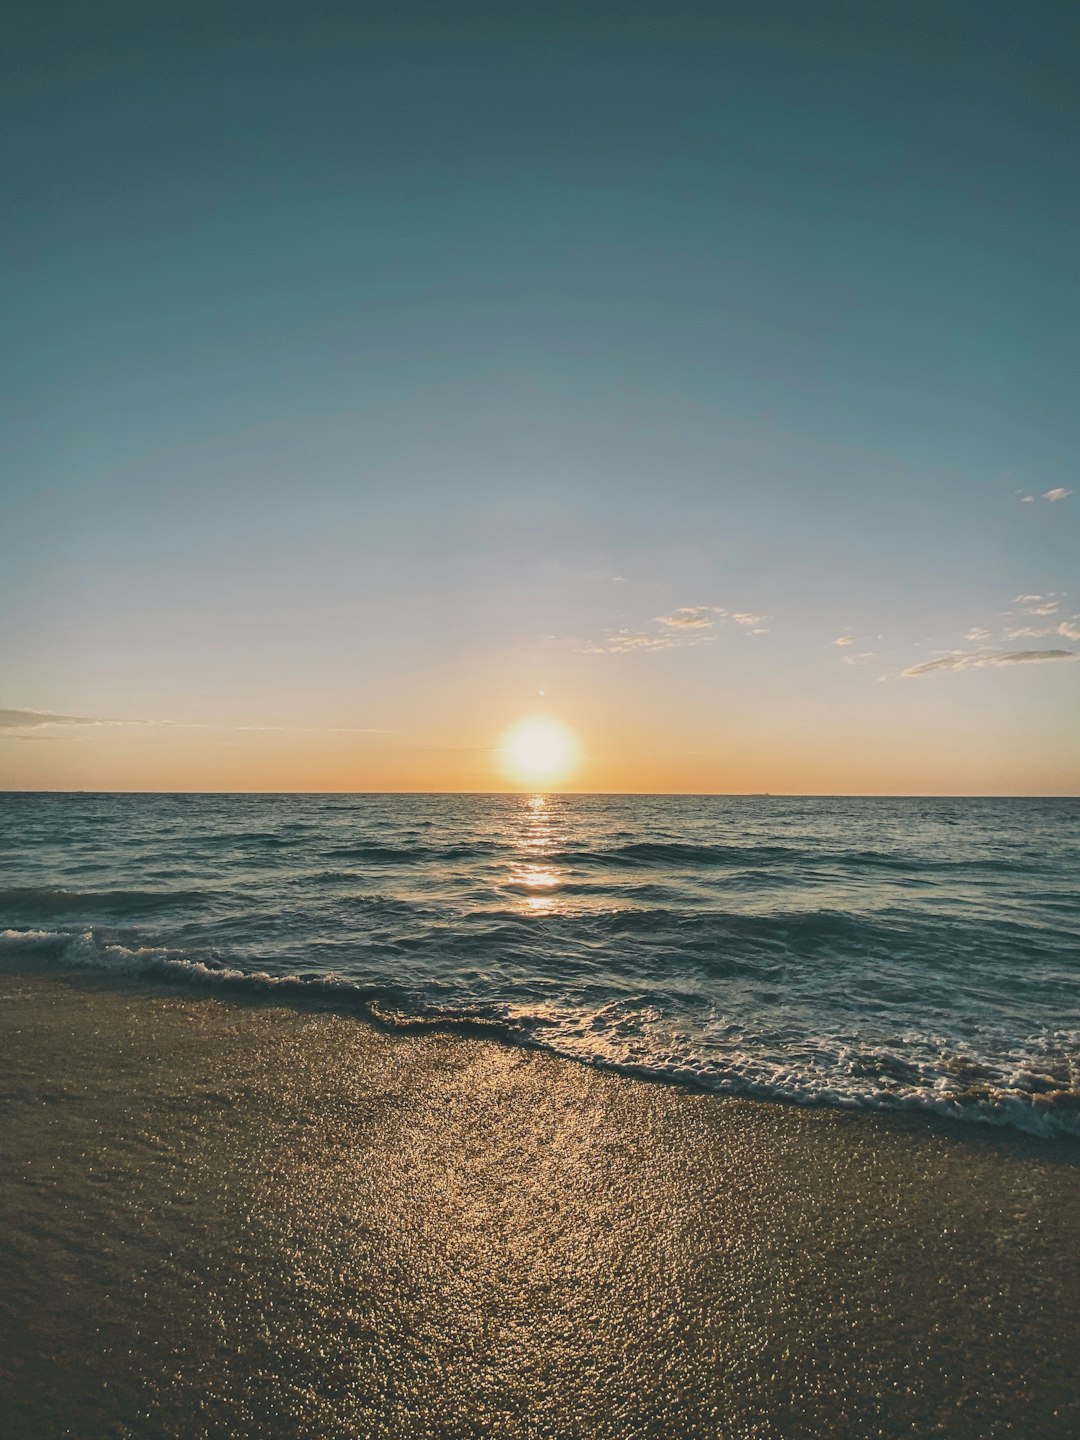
x=749 y=756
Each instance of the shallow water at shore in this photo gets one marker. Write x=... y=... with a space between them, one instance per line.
x=875 y=953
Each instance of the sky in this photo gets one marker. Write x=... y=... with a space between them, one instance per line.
x=702 y=377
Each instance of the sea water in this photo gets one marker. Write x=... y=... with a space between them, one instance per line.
x=918 y=953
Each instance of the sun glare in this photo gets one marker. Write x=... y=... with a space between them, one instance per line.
x=539 y=751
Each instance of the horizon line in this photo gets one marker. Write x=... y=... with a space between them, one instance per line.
x=594 y=794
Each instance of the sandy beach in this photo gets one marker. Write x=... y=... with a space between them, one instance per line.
x=226 y=1219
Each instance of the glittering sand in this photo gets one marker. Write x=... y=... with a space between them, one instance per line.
x=233 y=1220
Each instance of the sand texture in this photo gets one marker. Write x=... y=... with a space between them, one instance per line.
x=224 y=1220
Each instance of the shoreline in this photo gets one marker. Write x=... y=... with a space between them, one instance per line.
x=1039 y=1118
x=231 y=1217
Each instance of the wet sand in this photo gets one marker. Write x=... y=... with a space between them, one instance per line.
x=224 y=1220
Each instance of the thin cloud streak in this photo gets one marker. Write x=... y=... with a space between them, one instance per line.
x=21 y=720
x=978 y=659
x=36 y=719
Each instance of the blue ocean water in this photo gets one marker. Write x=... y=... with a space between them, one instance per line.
x=870 y=952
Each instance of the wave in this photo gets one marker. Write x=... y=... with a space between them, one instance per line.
x=1031 y=1084
x=46 y=901
x=412 y=854
x=690 y=854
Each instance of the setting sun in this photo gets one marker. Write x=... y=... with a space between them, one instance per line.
x=539 y=751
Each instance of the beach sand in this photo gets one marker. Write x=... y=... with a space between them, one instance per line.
x=225 y=1219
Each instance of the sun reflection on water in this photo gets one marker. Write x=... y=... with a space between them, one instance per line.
x=533 y=876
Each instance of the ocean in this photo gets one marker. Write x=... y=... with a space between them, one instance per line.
x=885 y=953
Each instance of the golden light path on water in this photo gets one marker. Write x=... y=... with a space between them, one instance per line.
x=534 y=876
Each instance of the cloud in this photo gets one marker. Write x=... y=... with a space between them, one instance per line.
x=624 y=640
x=977 y=659
x=22 y=720
x=1036 y=618
x=1027 y=500
x=688 y=625
x=691 y=617
x=1059 y=493
x=844 y=640
x=1049 y=604
x=861 y=657
x=36 y=719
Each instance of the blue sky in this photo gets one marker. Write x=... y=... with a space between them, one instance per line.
x=376 y=367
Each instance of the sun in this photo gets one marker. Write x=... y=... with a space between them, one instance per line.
x=539 y=751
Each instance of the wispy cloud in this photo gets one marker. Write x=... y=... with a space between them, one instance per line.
x=860 y=657
x=1059 y=492
x=1030 y=632
x=688 y=625
x=1035 y=618
x=23 y=720
x=1048 y=604
x=38 y=719
x=978 y=659
x=621 y=641
x=691 y=617
x=844 y=640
